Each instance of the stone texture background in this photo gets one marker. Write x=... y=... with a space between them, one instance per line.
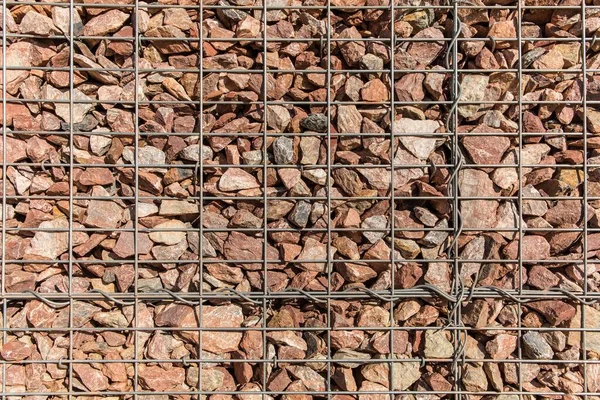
x=128 y=170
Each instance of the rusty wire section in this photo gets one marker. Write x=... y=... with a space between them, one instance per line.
x=67 y=350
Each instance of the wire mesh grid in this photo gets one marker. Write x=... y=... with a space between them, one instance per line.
x=349 y=199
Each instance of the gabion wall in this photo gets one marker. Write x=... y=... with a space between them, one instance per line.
x=297 y=199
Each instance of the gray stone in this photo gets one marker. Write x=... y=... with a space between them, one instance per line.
x=149 y=155
x=88 y=124
x=531 y=56
x=192 y=153
x=230 y=13
x=149 y=284
x=300 y=214
x=536 y=347
x=283 y=150
x=371 y=62
x=83 y=313
x=436 y=237
x=315 y=123
x=375 y=222
x=252 y=157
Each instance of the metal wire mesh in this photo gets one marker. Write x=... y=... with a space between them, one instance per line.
x=91 y=320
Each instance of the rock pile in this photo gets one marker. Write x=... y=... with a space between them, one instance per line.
x=284 y=166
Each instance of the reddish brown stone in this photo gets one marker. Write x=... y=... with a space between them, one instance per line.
x=159 y=379
x=15 y=351
x=555 y=311
x=541 y=278
x=92 y=378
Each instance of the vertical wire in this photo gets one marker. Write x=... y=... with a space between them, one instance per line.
x=264 y=188
x=585 y=195
x=455 y=194
x=136 y=200
x=520 y=200
x=200 y=179
x=4 y=177
x=392 y=198
x=329 y=33
x=71 y=184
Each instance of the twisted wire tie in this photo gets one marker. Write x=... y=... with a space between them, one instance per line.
x=592 y=44
x=111 y=298
x=303 y=292
x=178 y=297
x=459 y=353
x=239 y=294
x=53 y=304
x=370 y=293
x=493 y=40
x=434 y=289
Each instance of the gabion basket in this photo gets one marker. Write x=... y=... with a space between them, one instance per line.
x=297 y=199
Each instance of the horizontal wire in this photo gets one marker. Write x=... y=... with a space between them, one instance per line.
x=462 y=329
x=441 y=135
x=275 y=7
x=276 y=39
x=477 y=292
x=125 y=261
x=320 y=393
x=299 y=230
x=240 y=70
x=302 y=167
x=302 y=361
x=301 y=102
x=307 y=198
